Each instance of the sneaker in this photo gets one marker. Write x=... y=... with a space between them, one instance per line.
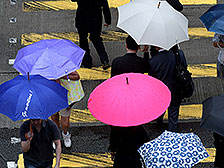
x=67 y=139
x=106 y=65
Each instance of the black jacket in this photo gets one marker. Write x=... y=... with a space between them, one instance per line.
x=163 y=66
x=89 y=15
x=130 y=62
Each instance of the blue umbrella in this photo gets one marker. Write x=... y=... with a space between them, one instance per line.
x=50 y=58
x=213 y=19
x=31 y=97
x=171 y=150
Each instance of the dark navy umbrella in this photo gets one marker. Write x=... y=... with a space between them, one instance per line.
x=31 y=97
x=213 y=19
x=213 y=114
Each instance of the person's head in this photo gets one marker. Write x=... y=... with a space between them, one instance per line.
x=131 y=44
x=36 y=122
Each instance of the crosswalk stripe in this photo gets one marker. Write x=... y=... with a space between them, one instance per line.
x=73 y=160
x=30 y=6
x=197 y=70
x=187 y=112
x=29 y=38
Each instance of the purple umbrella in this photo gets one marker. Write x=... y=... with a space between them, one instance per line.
x=51 y=58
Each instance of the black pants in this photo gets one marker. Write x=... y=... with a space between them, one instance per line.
x=173 y=114
x=219 y=145
x=98 y=44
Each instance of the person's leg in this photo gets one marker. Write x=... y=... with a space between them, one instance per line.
x=97 y=41
x=55 y=118
x=65 y=124
x=220 y=70
x=159 y=120
x=47 y=164
x=173 y=113
x=29 y=164
x=219 y=145
x=84 y=44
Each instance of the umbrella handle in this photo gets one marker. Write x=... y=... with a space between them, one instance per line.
x=31 y=130
x=66 y=71
x=28 y=134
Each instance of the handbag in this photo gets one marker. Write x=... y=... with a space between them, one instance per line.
x=185 y=84
x=75 y=90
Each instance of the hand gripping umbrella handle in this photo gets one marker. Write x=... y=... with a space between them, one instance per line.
x=28 y=134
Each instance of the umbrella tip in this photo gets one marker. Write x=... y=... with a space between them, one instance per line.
x=158 y=5
x=127 y=80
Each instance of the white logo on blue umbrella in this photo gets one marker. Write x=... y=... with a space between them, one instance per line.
x=24 y=113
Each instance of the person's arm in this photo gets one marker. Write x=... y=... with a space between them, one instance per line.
x=72 y=76
x=58 y=153
x=114 y=68
x=218 y=44
x=26 y=144
x=106 y=13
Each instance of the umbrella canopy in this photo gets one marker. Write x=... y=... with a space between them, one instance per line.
x=153 y=22
x=129 y=99
x=213 y=114
x=172 y=150
x=51 y=58
x=33 y=98
x=213 y=19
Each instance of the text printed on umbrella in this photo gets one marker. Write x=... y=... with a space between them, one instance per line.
x=24 y=113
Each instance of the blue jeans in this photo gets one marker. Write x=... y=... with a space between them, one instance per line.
x=30 y=164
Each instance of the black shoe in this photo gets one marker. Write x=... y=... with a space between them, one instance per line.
x=86 y=66
x=106 y=65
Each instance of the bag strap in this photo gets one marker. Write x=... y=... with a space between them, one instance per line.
x=177 y=56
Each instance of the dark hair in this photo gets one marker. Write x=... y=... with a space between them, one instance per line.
x=131 y=44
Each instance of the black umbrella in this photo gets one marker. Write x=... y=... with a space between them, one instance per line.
x=213 y=114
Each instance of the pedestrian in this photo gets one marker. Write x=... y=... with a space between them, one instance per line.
x=130 y=62
x=75 y=93
x=163 y=67
x=124 y=143
x=218 y=41
x=37 y=136
x=89 y=21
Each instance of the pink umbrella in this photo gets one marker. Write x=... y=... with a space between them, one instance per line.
x=129 y=99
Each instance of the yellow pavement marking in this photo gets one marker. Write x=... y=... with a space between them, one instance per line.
x=30 y=6
x=197 y=70
x=197 y=32
x=211 y=158
x=203 y=70
x=187 y=112
x=79 y=160
x=98 y=160
x=95 y=73
x=29 y=38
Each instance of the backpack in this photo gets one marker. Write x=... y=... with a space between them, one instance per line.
x=185 y=82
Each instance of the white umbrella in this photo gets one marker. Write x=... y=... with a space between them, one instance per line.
x=153 y=22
